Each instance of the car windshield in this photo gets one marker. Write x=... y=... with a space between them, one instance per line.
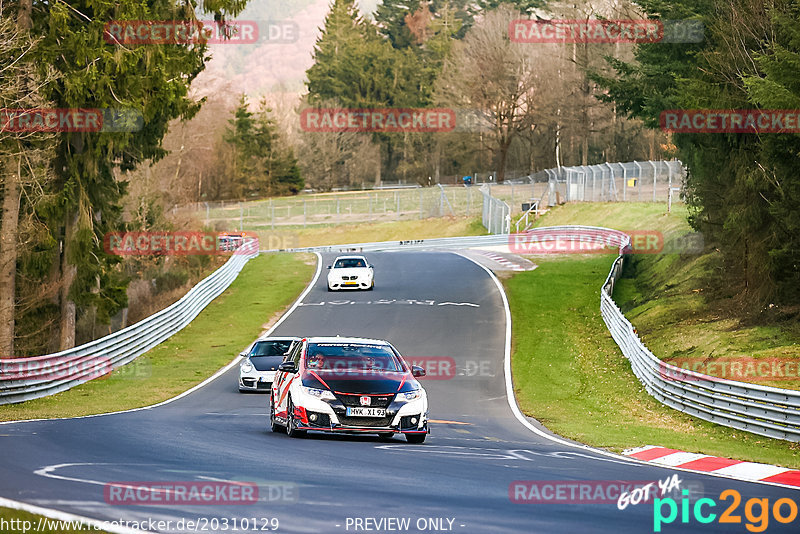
x=351 y=356
x=270 y=348
x=349 y=263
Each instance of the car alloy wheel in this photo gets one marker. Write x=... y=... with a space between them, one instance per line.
x=276 y=427
x=291 y=425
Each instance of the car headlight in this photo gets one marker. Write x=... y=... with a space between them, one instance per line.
x=324 y=394
x=247 y=366
x=410 y=395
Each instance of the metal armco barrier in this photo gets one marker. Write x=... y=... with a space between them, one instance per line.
x=23 y=379
x=767 y=411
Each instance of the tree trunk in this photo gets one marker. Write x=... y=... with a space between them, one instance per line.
x=8 y=256
x=68 y=272
x=10 y=224
x=24 y=14
x=502 y=156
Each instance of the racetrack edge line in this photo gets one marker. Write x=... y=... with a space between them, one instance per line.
x=67 y=517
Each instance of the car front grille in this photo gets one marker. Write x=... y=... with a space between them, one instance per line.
x=365 y=421
x=263 y=385
x=376 y=401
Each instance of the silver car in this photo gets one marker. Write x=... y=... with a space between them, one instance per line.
x=261 y=360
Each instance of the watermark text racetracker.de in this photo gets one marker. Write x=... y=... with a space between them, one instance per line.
x=436 y=367
x=193 y=524
x=179 y=492
x=388 y=120
x=731 y=121
x=446 y=367
x=737 y=368
x=52 y=120
x=146 y=32
x=188 y=32
x=600 y=241
x=45 y=369
x=596 y=31
x=178 y=243
x=579 y=491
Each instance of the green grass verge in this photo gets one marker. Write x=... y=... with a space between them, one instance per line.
x=570 y=375
x=25 y=522
x=620 y=215
x=389 y=231
x=263 y=290
x=568 y=372
x=687 y=317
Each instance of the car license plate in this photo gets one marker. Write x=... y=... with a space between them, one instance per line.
x=366 y=412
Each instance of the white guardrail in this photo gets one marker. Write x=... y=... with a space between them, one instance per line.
x=767 y=411
x=23 y=379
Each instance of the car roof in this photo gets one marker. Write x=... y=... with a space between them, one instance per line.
x=352 y=340
x=278 y=338
x=350 y=258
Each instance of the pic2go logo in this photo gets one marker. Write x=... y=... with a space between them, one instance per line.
x=757 y=511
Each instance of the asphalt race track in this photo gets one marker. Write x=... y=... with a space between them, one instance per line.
x=428 y=304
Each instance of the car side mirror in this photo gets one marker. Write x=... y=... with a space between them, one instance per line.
x=287 y=367
x=243 y=354
x=329 y=266
x=417 y=371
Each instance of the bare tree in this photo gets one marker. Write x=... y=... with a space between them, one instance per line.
x=337 y=159
x=490 y=73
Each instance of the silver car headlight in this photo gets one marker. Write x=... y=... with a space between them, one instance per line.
x=247 y=366
x=410 y=395
x=324 y=394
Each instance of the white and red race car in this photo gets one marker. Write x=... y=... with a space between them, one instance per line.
x=350 y=385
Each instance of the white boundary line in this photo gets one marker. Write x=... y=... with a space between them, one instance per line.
x=207 y=380
x=512 y=403
x=58 y=515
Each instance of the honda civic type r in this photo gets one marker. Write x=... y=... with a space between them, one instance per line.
x=350 y=385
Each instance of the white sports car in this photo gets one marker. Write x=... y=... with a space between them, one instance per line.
x=351 y=272
x=349 y=385
x=260 y=362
